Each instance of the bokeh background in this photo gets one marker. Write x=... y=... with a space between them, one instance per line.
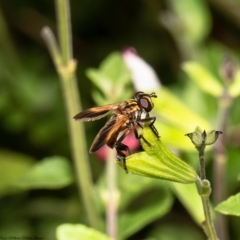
x=33 y=125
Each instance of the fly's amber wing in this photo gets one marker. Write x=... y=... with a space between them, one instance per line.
x=109 y=133
x=95 y=113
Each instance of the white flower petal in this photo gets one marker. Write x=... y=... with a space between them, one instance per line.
x=143 y=76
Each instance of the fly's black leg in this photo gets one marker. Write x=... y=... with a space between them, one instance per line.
x=140 y=136
x=153 y=119
x=120 y=147
x=151 y=125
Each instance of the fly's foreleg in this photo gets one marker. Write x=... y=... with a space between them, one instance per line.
x=139 y=136
x=151 y=125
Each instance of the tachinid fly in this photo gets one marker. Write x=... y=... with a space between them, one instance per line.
x=127 y=115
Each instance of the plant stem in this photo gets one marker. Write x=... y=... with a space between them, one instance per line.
x=202 y=162
x=66 y=68
x=82 y=168
x=112 y=193
x=220 y=161
x=64 y=30
x=208 y=221
x=204 y=190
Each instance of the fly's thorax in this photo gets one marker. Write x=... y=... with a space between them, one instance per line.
x=128 y=107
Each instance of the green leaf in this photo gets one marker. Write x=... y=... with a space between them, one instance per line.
x=175 y=229
x=141 y=210
x=133 y=201
x=174 y=136
x=111 y=73
x=77 y=232
x=53 y=172
x=203 y=78
x=194 y=17
x=234 y=88
x=176 y=113
x=193 y=204
x=13 y=166
x=231 y=206
x=114 y=67
x=159 y=162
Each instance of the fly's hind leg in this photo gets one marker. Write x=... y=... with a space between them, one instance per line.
x=120 y=147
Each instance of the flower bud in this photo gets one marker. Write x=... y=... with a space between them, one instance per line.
x=196 y=138
x=212 y=137
x=202 y=139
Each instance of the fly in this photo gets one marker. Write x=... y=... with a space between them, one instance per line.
x=125 y=116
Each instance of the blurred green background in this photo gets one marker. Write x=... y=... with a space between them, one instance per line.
x=33 y=125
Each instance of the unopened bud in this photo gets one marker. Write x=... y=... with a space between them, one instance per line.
x=202 y=139
x=196 y=138
x=212 y=137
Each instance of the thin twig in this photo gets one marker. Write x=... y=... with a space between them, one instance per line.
x=112 y=193
x=220 y=161
x=204 y=190
x=202 y=162
x=66 y=68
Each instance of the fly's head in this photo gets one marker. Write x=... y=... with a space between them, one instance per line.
x=145 y=100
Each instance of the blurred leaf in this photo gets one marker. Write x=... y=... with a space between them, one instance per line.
x=10 y=64
x=175 y=119
x=114 y=67
x=230 y=207
x=134 y=186
x=143 y=210
x=195 y=18
x=203 y=78
x=172 y=109
x=135 y=210
x=174 y=137
x=77 y=232
x=16 y=226
x=52 y=172
x=176 y=229
x=234 y=88
x=13 y=165
x=233 y=166
x=189 y=197
x=111 y=78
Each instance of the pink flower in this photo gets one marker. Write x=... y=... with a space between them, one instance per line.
x=130 y=141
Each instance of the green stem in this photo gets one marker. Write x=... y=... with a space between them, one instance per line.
x=112 y=193
x=82 y=168
x=220 y=162
x=204 y=190
x=202 y=162
x=208 y=221
x=52 y=45
x=64 y=29
x=66 y=68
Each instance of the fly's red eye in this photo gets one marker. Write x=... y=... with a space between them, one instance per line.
x=146 y=104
